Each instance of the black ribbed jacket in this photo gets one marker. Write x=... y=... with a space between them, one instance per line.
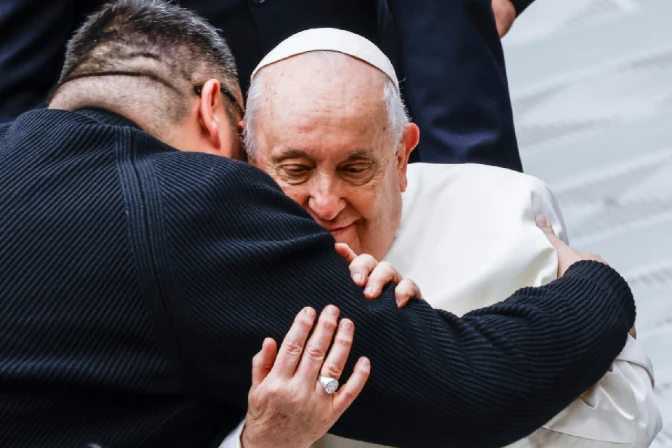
x=138 y=282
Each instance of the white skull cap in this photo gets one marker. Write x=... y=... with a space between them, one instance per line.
x=330 y=39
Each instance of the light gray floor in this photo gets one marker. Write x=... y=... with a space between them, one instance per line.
x=591 y=84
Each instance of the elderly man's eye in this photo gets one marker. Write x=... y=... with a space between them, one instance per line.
x=359 y=173
x=357 y=169
x=295 y=170
x=293 y=173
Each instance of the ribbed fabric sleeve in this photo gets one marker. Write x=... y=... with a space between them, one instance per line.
x=138 y=282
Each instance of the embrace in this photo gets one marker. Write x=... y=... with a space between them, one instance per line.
x=157 y=228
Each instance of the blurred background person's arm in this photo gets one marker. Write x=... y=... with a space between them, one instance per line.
x=506 y=12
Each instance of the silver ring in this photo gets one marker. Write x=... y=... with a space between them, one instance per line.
x=330 y=384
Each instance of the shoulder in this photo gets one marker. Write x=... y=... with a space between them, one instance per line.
x=206 y=176
x=479 y=181
x=195 y=171
x=202 y=188
x=211 y=179
x=58 y=131
x=473 y=189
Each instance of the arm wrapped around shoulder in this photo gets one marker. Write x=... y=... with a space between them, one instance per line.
x=246 y=258
x=502 y=365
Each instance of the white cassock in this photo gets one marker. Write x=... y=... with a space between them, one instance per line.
x=468 y=239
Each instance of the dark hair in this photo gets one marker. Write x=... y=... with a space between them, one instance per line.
x=149 y=38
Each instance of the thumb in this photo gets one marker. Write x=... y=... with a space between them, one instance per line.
x=545 y=225
x=263 y=361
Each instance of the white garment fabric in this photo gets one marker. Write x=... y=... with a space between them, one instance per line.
x=468 y=239
x=233 y=439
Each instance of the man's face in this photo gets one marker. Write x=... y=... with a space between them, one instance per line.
x=323 y=135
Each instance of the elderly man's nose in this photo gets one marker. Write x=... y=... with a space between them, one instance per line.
x=326 y=205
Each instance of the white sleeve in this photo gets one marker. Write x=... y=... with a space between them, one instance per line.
x=619 y=411
x=233 y=439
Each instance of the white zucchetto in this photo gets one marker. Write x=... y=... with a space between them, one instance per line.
x=330 y=39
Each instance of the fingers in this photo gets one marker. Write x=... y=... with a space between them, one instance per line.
x=361 y=267
x=545 y=225
x=345 y=252
x=262 y=363
x=317 y=346
x=566 y=255
x=340 y=350
x=405 y=291
x=594 y=257
x=350 y=390
x=292 y=346
x=383 y=274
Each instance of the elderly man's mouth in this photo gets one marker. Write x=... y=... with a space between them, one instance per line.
x=340 y=232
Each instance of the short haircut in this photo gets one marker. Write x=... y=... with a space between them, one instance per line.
x=154 y=39
x=397 y=113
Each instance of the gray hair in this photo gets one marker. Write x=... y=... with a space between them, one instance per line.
x=396 y=109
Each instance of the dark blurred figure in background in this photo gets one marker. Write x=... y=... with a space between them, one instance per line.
x=447 y=52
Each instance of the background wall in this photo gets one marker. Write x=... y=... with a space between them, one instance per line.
x=591 y=82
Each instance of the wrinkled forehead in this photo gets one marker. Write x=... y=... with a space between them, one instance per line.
x=317 y=100
x=315 y=78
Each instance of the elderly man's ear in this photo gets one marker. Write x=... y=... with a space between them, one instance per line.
x=241 y=134
x=407 y=144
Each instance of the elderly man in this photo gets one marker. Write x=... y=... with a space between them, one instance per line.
x=326 y=121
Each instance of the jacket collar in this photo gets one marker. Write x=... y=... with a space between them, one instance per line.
x=104 y=116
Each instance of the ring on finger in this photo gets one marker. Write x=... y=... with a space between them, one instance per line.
x=330 y=384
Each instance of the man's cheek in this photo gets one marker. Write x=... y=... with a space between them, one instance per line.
x=371 y=205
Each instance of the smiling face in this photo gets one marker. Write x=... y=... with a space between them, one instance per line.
x=323 y=133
